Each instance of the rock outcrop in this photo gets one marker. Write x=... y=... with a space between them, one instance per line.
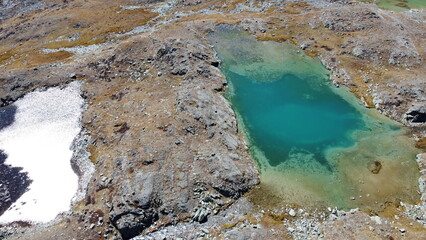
x=169 y=147
x=10 y=8
x=416 y=114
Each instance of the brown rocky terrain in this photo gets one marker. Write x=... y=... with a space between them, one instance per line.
x=169 y=159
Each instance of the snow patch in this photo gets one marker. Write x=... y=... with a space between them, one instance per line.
x=46 y=122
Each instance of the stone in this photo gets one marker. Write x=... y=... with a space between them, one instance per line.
x=134 y=208
x=416 y=113
x=375 y=167
x=215 y=63
x=304 y=46
x=179 y=71
x=376 y=219
x=200 y=215
x=131 y=223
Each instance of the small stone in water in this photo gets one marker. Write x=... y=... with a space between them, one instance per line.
x=375 y=167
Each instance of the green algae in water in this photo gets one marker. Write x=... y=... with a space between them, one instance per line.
x=398 y=5
x=314 y=144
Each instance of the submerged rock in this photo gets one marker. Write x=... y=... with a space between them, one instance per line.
x=375 y=167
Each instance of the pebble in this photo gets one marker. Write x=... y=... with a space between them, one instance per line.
x=376 y=219
x=333 y=217
x=292 y=212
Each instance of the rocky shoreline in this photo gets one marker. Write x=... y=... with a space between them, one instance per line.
x=169 y=160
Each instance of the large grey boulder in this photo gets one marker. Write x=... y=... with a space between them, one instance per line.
x=416 y=114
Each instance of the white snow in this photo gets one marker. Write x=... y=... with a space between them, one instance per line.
x=39 y=141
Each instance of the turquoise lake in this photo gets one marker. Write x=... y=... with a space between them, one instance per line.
x=315 y=144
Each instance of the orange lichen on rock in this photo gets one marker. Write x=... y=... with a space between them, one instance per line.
x=421 y=143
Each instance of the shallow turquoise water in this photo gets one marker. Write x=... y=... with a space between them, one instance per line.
x=314 y=144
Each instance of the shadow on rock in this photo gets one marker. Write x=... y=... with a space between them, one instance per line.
x=13 y=183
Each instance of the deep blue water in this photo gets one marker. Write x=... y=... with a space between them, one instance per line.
x=293 y=115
